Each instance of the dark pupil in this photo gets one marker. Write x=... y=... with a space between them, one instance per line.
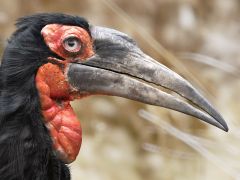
x=71 y=43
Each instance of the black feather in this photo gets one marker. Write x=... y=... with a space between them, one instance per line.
x=25 y=146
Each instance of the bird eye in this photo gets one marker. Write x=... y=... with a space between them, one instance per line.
x=72 y=44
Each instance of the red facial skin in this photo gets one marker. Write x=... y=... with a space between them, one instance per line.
x=55 y=92
x=54 y=35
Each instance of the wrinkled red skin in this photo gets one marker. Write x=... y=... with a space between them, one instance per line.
x=60 y=119
x=54 y=35
x=55 y=93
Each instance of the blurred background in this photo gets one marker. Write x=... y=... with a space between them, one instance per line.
x=126 y=140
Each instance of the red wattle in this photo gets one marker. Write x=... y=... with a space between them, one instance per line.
x=60 y=119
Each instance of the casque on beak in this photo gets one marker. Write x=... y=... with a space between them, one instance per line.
x=120 y=68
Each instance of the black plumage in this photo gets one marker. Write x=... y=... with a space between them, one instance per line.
x=25 y=145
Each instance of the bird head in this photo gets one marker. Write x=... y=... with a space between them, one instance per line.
x=76 y=60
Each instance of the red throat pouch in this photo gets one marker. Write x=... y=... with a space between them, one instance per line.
x=60 y=119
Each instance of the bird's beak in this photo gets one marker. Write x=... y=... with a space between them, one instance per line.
x=120 y=68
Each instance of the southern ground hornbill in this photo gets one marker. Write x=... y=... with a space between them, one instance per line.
x=53 y=59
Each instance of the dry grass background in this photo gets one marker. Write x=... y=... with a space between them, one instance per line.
x=126 y=140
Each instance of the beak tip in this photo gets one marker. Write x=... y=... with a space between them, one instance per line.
x=223 y=126
x=226 y=129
